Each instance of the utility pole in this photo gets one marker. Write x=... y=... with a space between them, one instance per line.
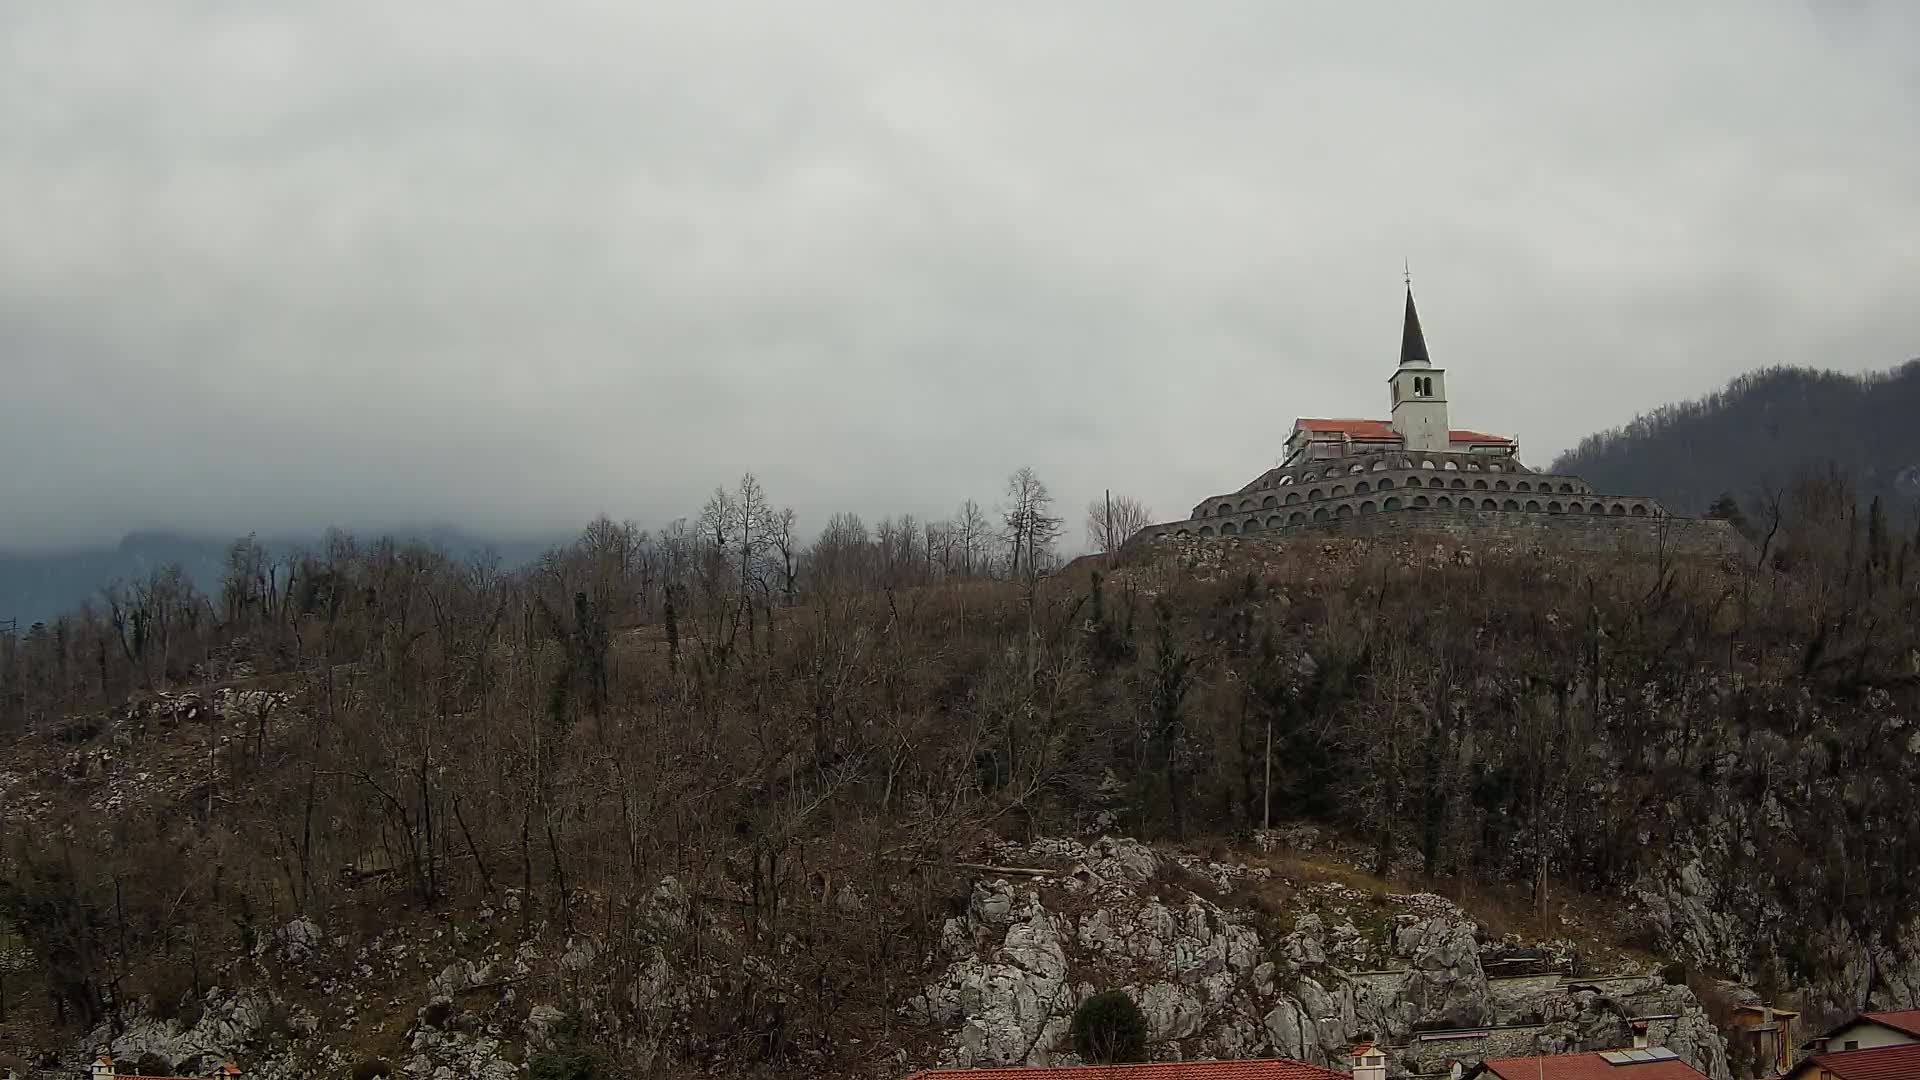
x=1266 y=797
x=1545 y=929
x=1109 y=537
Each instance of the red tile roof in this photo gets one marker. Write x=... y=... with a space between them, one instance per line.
x=1358 y=429
x=1907 y=1020
x=1383 y=429
x=1258 y=1069
x=228 y=1069
x=1590 y=1066
x=1463 y=435
x=1880 y=1063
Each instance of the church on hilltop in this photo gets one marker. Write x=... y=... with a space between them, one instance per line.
x=1414 y=470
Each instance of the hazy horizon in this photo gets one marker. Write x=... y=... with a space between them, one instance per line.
x=553 y=533
x=359 y=264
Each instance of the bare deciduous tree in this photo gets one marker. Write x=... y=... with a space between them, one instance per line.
x=785 y=540
x=1113 y=522
x=1029 y=526
x=972 y=534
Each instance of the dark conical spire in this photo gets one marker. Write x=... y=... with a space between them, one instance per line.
x=1413 y=344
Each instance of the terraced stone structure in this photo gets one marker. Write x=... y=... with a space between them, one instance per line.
x=1335 y=470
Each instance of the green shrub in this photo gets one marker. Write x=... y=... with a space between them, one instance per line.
x=568 y=1056
x=372 y=1069
x=1108 y=1029
x=569 y=1062
x=152 y=1064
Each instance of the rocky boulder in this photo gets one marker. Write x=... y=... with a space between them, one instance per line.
x=1445 y=984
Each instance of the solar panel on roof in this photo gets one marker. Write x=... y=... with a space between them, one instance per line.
x=1638 y=1057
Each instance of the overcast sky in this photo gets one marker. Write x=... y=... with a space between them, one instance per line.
x=508 y=265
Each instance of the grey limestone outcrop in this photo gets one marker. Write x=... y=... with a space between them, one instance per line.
x=1212 y=982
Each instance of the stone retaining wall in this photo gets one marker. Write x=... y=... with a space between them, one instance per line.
x=1433 y=1053
x=1565 y=532
x=1596 y=533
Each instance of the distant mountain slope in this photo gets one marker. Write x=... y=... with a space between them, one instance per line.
x=41 y=585
x=1761 y=428
x=36 y=586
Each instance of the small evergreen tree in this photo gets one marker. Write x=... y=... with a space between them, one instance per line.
x=1727 y=508
x=1168 y=680
x=672 y=621
x=1878 y=548
x=1109 y=1029
x=568 y=1055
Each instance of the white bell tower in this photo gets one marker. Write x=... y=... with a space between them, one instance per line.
x=1419 y=391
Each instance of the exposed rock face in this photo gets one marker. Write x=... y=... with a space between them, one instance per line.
x=1446 y=983
x=541 y=1020
x=1211 y=985
x=1686 y=909
x=1706 y=908
x=1007 y=987
x=1303 y=978
x=276 y=1040
x=444 y=1055
x=227 y=1023
x=296 y=942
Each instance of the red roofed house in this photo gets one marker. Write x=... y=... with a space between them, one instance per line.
x=1414 y=464
x=103 y=1068
x=1868 y=1030
x=1594 y=1065
x=1896 y=1062
x=1255 y=1069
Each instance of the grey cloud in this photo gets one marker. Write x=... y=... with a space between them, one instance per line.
x=278 y=266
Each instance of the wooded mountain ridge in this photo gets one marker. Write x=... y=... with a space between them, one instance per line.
x=1759 y=430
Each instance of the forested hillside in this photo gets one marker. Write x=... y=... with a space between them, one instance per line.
x=1754 y=436
x=703 y=802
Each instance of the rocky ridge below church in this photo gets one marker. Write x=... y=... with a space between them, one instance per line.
x=1216 y=979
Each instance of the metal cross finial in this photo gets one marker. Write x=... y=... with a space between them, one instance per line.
x=1409 y=275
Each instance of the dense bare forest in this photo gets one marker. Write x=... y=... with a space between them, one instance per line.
x=1749 y=439
x=806 y=737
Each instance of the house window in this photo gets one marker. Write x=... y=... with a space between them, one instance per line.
x=1852 y=1044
